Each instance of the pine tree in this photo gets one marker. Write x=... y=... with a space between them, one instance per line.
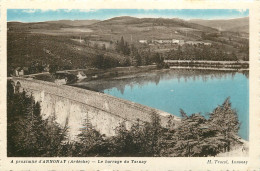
x=91 y=142
x=28 y=133
x=225 y=120
x=183 y=114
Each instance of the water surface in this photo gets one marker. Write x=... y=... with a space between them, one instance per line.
x=192 y=90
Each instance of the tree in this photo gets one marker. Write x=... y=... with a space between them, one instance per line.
x=53 y=69
x=126 y=49
x=196 y=136
x=225 y=120
x=203 y=35
x=122 y=47
x=159 y=60
x=28 y=134
x=183 y=114
x=155 y=132
x=141 y=140
x=127 y=61
x=91 y=142
x=104 y=47
x=96 y=46
x=233 y=57
x=122 y=44
x=103 y=62
x=99 y=61
x=122 y=142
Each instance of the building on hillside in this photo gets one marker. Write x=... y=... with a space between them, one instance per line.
x=198 y=43
x=168 y=41
x=60 y=81
x=207 y=44
x=20 y=71
x=69 y=77
x=162 y=41
x=175 y=41
x=81 y=75
x=194 y=42
x=95 y=76
x=143 y=41
x=190 y=43
x=47 y=68
x=179 y=42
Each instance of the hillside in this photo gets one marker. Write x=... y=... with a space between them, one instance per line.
x=77 y=43
x=145 y=22
x=24 y=49
x=135 y=29
x=236 y=25
x=28 y=27
x=74 y=22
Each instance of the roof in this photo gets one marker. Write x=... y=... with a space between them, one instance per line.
x=21 y=68
x=18 y=68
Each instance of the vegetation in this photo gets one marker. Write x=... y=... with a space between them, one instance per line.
x=59 y=46
x=28 y=134
x=31 y=135
x=122 y=47
x=104 y=62
x=202 y=52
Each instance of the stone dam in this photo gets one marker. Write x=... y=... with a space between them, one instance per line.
x=76 y=106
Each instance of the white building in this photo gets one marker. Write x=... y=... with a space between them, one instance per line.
x=198 y=43
x=207 y=44
x=158 y=41
x=81 y=75
x=18 y=71
x=175 y=41
x=194 y=43
x=162 y=41
x=60 y=81
x=143 y=41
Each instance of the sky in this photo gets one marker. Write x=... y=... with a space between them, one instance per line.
x=38 y=15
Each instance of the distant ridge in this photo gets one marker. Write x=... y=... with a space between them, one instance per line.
x=168 y=22
x=74 y=22
x=236 y=25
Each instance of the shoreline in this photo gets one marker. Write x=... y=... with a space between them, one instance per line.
x=210 y=68
x=235 y=151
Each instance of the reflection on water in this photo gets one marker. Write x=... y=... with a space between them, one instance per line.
x=192 y=90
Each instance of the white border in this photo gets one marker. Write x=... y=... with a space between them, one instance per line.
x=161 y=163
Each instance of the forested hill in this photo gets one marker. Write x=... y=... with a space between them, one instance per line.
x=236 y=25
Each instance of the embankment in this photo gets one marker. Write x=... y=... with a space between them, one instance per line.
x=79 y=106
x=209 y=64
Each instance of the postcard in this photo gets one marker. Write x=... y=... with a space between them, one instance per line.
x=130 y=85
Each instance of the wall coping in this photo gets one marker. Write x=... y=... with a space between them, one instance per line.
x=97 y=94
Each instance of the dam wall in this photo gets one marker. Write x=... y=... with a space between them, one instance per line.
x=78 y=106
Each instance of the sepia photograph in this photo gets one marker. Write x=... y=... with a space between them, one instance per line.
x=128 y=83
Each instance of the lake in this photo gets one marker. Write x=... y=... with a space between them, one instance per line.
x=192 y=90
